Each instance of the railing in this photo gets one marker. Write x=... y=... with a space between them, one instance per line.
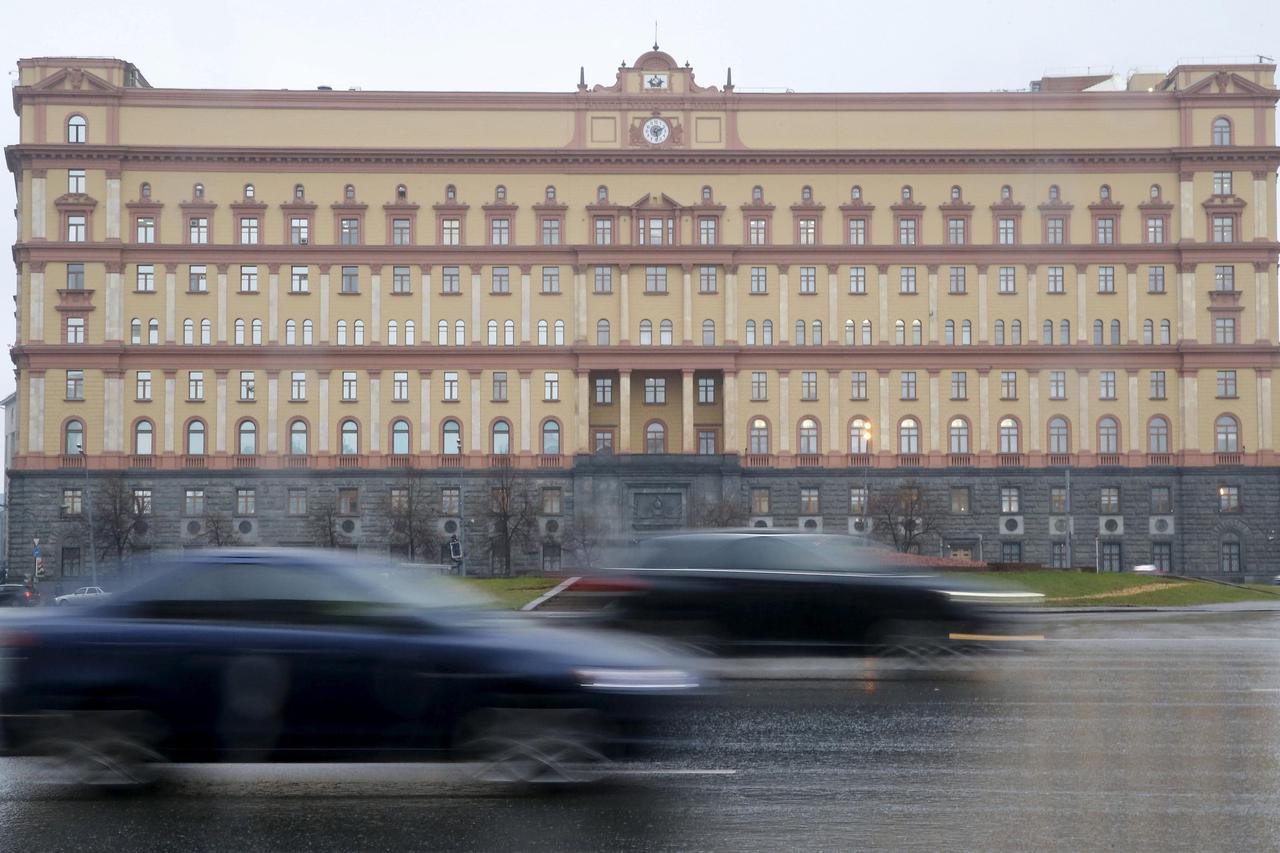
x=1110 y=460
x=550 y=460
x=71 y=460
x=1162 y=459
x=297 y=460
x=348 y=460
x=451 y=460
x=194 y=462
x=809 y=460
x=908 y=460
x=245 y=460
x=758 y=460
x=1228 y=459
x=1009 y=460
x=500 y=460
x=139 y=460
x=399 y=460
x=959 y=460
x=859 y=460
x=1058 y=460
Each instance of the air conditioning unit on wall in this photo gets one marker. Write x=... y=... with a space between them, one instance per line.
x=1160 y=525
x=348 y=527
x=761 y=521
x=192 y=528
x=550 y=528
x=450 y=526
x=1011 y=525
x=245 y=528
x=810 y=523
x=1061 y=525
x=1111 y=525
x=860 y=525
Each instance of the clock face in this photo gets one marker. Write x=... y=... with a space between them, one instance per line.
x=656 y=81
x=656 y=131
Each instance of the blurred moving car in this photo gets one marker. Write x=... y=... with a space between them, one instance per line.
x=18 y=595
x=266 y=655
x=1148 y=569
x=83 y=595
x=773 y=591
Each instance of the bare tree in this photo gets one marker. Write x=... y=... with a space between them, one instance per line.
x=721 y=512
x=323 y=520
x=905 y=516
x=585 y=537
x=118 y=517
x=219 y=530
x=410 y=511
x=511 y=516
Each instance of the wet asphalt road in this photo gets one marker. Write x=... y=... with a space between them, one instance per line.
x=1133 y=732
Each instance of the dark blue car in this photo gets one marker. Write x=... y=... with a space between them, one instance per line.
x=265 y=655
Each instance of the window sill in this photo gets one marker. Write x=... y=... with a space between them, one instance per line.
x=241 y=292
x=348 y=293
x=297 y=293
x=499 y=292
x=550 y=292
x=400 y=293
x=454 y=402
x=73 y=399
x=708 y=293
x=957 y=293
x=1055 y=293
x=195 y=400
x=142 y=399
x=449 y=293
x=297 y=399
x=807 y=293
x=655 y=292
x=1006 y=293
x=197 y=293
x=144 y=291
x=758 y=293
x=500 y=400
x=1227 y=397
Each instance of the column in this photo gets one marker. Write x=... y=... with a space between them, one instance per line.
x=1260 y=195
x=624 y=407
x=686 y=411
x=935 y=415
x=784 y=411
x=834 y=326
x=476 y=432
x=835 y=430
x=222 y=303
x=731 y=440
x=39 y=210
x=1190 y=409
x=476 y=331
x=113 y=411
x=35 y=301
x=273 y=410
x=984 y=410
x=375 y=411
x=731 y=304
x=425 y=427
x=883 y=432
x=1082 y=315
x=882 y=283
x=686 y=302
x=1262 y=287
x=624 y=317
x=1083 y=429
x=375 y=303
x=170 y=303
x=35 y=412
x=170 y=398
x=526 y=305
x=1131 y=291
x=427 y=335
x=1265 y=441
x=1034 y=430
x=582 y=440
x=1032 y=332
x=525 y=410
x=933 y=304
x=322 y=413
x=273 y=304
x=220 y=419
x=1187 y=209
x=784 y=322
x=1187 y=286
x=325 y=295
x=1135 y=427
x=580 y=303
x=982 y=305
x=113 y=206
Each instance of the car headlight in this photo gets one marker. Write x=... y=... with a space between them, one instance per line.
x=635 y=679
x=993 y=597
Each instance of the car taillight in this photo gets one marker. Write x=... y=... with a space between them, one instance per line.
x=27 y=593
x=610 y=585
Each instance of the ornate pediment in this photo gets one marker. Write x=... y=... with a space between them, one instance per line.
x=74 y=79
x=1226 y=83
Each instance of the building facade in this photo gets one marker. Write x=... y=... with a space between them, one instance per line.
x=1054 y=311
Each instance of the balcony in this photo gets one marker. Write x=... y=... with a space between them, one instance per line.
x=451 y=460
x=859 y=460
x=550 y=460
x=809 y=460
x=348 y=460
x=959 y=460
x=1110 y=460
x=908 y=460
x=245 y=460
x=758 y=460
x=75 y=300
x=193 y=462
x=400 y=460
x=499 y=460
x=1234 y=458
x=71 y=460
x=297 y=460
x=1058 y=460
x=1010 y=460
x=141 y=460
x=1163 y=460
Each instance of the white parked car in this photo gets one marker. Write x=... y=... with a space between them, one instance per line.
x=83 y=595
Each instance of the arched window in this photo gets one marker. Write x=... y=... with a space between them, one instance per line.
x=195 y=438
x=955 y=194
x=1006 y=193
x=206 y=332
x=153 y=331
x=144 y=435
x=999 y=335
x=77 y=130
x=249 y=191
x=135 y=331
x=1054 y=193
x=402 y=192
x=358 y=333
x=551 y=437
x=509 y=333
x=1226 y=434
x=602 y=333
x=349 y=437
x=808 y=436
x=299 y=191
x=866 y=333
x=1221 y=131
x=646 y=333
x=949 y=333
x=1158 y=435
x=500 y=437
x=1148 y=332
x=909 y=436
x=500 y=193
x=706 y=193
x=543 y=333
x=1155 y=191
x=247 y=438
x=1059 y=435
x=855 y=193
x=400 y=433
x=442 y=333
x=751 y=333
x=1064 y=332
x=757 y=194
x=959 y=435
x=492 y=332
x=1230 y=555
x=255 y=333
x=393 y=332
x=1108 y=435
x=806 y=193
x=410 y=333
x=1104 y=192
x=1098 y=331
x=551 y=193
x=860 y=435
x=758 y=436
x=290 y=332
x=239 y=332
x=666 y=333
x=708 y=333
x=1015 y=332
x=73 y=436
x=197 y=191
x=799 y=335
x=1046 y=332
x=816 y=333
x=349 y=192
x=966 y=333
x=450 y=192
x=452 y=431
x=144 y=191
x=558 y=328
x=655 y=438
x=602 y=193
x=459 y=333
x=1115 y=332
x=850 y=333
x=1009 y=436
x=342 y=333
x=1166 y=332
x=906 y=193
x=766 y=333
x=188 y=331
x=899 y=332
x=298 y=438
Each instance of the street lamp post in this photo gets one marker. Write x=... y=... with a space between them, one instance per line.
x=88 y=507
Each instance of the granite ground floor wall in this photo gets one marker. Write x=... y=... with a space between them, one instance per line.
x=1221 y=521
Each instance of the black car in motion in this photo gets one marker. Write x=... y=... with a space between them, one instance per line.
x=771 y=591
x=266 y=655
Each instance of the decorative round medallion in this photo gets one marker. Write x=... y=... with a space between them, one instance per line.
x=656 y=131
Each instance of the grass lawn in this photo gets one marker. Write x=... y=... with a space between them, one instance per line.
x=512 y=593
x=1074 y=589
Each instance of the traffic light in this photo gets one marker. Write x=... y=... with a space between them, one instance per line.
x=455 y=549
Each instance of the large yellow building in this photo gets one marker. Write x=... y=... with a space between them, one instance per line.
x=1055 y=309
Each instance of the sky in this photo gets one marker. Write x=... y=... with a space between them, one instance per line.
x=484 y=45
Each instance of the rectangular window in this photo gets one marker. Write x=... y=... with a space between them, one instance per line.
x=857 y=232
x=707 y=230
x=759 y=385
x=400 y=386
x=501 y=280
x=248 y=279
x=350 y=280
x=708 y=279
x=960 y=500
x=248 y=230
x=246 y=501
x=808 y=279
x=401 y=280
x=1058 y=555
x=858 y=385
x=349 y=232
x=349 y=385
x=75 y=384
x=857 y=279
x=1222 y=183
x=195 y=385
x=604 y=280
x=72 y=502
x=602 y=441
x=146 y=280
x=1224 y=330
x=298 y=385
x=400 y=232
x=1155 y=279
x=297 y=502
x=808 y=385
x=655 y=279
x=198 y=279
x=757 y=232
x=604 y=391
x=77 y=229
x=551 y=501
x=1109 y=500
x=760 y=501
x=348 y=501
x=857 y=500
x=246 y=385
x=604 y=230
x=299 y=279
x=1055 y=230
x=146 y=229
x=906 y=232
x=1224 y=277
x=450 y=280
x=1057 y=385
x=706 y=442
x=907 y=280
x=959 y=385
x=1162 y=556
x=655 y=390
x=1106 y=279
x=1157 y=385
x=907 y=384
x=810 y=502
x=75 y=180
x=1011 y=552
x=1010 y=500
x=551 y=279
x=808 y=232
x=142 y=503
x=1226 y=383
x=500 y=231
x=1161 y=500
x=1224 y=229
x=1008 y=280
x=1005 y=231
x=198 y=230
x=551 y=232
x=1155 y=229
x=956 y=282
x=299 y=231
x=193 y=503
x=1106 y=230
x=1107 y=385
x=759 y=280
x=499 y=386
x=1058 y=500
x=75 y=276
x=451 y=232
x=142 y=386
x=550 y=385
x=451 y=500
x=706 y=390
x=1110 y=557
x=955 y=231
x=75 y=330
x=1056 y=280
x=1008 y=385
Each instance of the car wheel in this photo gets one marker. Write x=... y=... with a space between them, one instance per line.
x=905 y=638
x=535 y=747
x=101 y=750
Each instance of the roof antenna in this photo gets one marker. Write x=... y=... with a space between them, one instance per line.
x=728 y=83
x=655 y=35
x=582 y=78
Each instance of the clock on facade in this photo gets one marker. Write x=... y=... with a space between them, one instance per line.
x=656 y=81
x=656 y=131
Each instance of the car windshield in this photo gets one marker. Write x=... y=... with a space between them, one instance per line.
x=791 y=552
